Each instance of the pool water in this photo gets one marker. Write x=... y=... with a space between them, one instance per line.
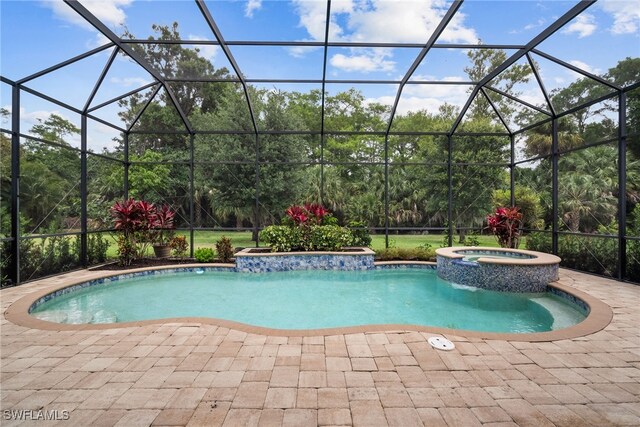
x=311 y=300
x=473 y=256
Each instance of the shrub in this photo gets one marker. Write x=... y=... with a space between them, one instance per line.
x=142 y=224
x=224 y=249
x=127 y=250
x=472 y=240
x=204 y=255
x=97 y=247
x=312 y=228
x=633 y=260
x=52 y=255
x=327 y=238
x=593 y=254
x=360 y=233
x=505 y=224
x=540 y=242
x=282 y=238
x=179 y=246
x=329 y=219
x=402 y=254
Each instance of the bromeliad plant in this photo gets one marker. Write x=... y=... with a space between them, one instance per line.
x=506 y=224
x=141 y=224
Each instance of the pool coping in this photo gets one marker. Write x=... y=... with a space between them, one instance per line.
x=600 y=315
x=352 y=251
x=541 y=258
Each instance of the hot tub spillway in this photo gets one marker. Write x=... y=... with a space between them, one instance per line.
x=507 y=270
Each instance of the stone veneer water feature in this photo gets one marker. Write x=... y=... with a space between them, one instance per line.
x=509 y=270
x=259 y=261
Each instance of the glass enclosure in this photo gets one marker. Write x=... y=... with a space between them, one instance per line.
x=410 y=117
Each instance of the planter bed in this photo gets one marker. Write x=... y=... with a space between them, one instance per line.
x=259 y=261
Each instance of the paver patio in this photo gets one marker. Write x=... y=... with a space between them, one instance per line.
x=202 y=374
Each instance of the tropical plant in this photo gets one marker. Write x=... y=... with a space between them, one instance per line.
x=163 y=225
x=224 y=249
x=204 y=255
x=141 y=224
x=360 y=233
x=297 y=214
x=505 y=224
x=179 y=246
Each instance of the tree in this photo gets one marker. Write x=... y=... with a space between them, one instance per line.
x=527 y=200
x=231 y=179
x=626 y=73
x=172 y=61
x=473 y=185
x=588 y=188
x=483 y=61
x=50 y=176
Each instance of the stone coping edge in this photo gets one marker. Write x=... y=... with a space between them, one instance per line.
x=541 y=258
x=600 y=315
x=362 y=251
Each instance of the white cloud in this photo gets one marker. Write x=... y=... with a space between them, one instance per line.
x=584 y=25
x=405 y=21
x=101 y=136
x=626 y=15
x=313 y=17
x=32 y=117
x=367 y=61
x=533 y=95
x=252 y=5
x=427 y=96
x=110 y=12
x=129 y=81
x=457 y=94
x=301 y=51
x=378 y=21
x=97 y=41
x=206 y=51
x=584 y=66
x=539 y=23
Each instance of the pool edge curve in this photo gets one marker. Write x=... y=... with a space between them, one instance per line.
x=600 y=315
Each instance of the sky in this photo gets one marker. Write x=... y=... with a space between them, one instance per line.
x=37 y=34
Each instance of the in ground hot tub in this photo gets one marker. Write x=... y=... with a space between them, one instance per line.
x=510 y=270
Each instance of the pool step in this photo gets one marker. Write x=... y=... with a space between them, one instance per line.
x=55 y=316
x=104 y=316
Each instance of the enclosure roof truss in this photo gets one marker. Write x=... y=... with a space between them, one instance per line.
x=477 y=88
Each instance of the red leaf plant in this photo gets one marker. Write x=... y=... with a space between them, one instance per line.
x=163 y=221
x=141 y=223
x=505 y=224
x=316 y=212
x=310 y=213
x=128 y=216
x=298 y=214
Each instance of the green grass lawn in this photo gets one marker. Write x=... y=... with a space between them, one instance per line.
x=207 y=239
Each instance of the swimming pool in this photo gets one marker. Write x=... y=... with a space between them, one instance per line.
x=311 y=300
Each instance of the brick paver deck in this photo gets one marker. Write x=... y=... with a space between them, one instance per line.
x=207 y=375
